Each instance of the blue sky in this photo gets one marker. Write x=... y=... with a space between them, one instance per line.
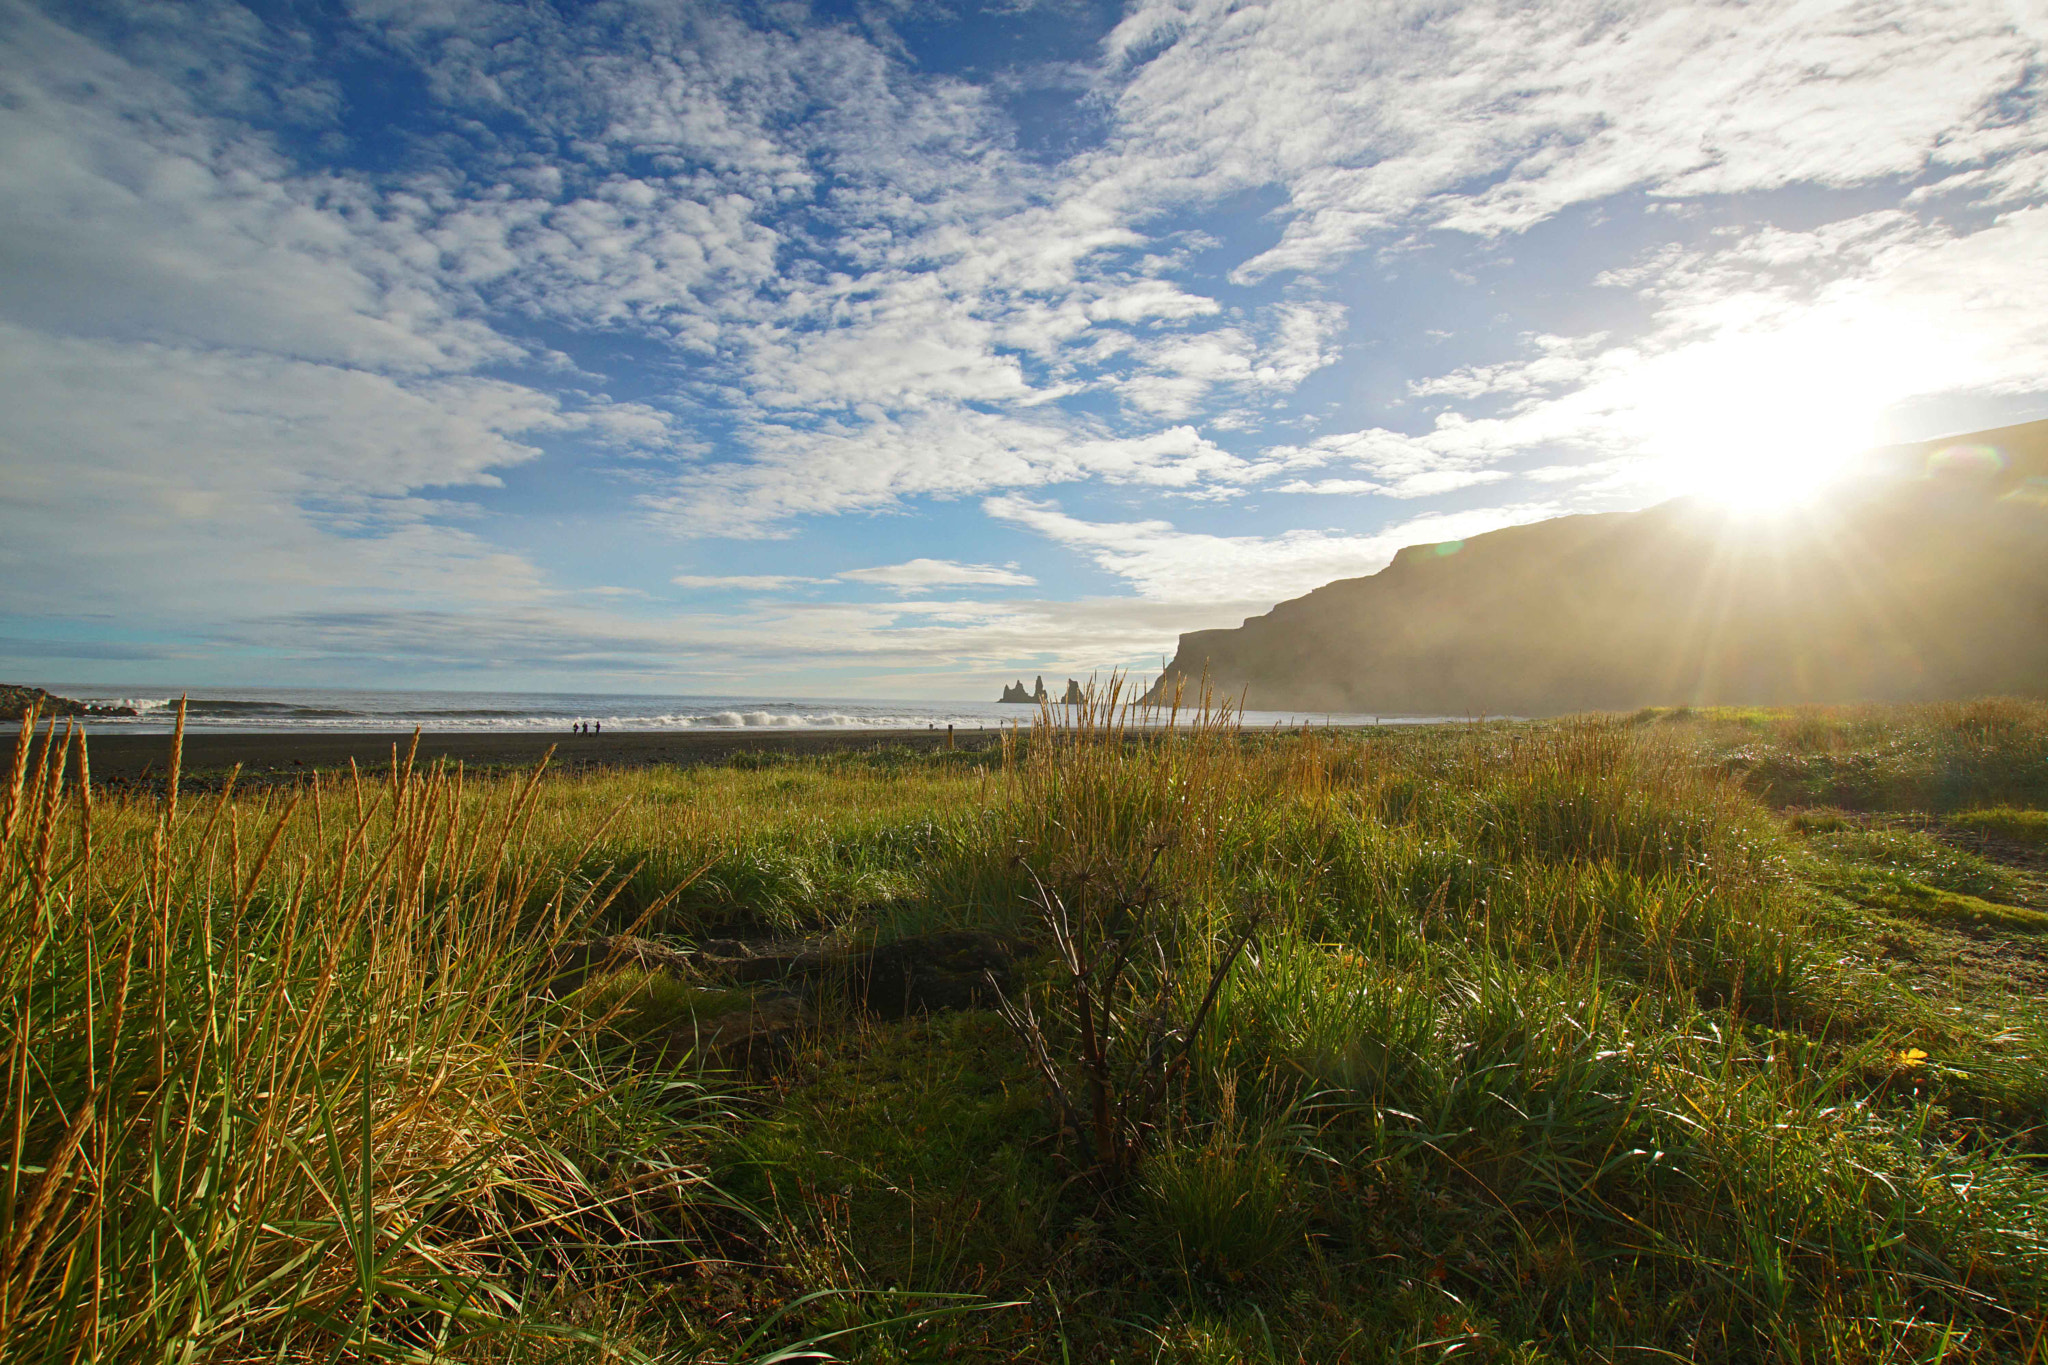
x=897 y=348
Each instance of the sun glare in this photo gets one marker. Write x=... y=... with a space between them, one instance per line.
x=1762 y=422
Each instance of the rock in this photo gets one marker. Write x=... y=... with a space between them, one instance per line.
x=1015 y=692
x=916 y=975
x=949 y=971
x=1074 y=696
x=16 y=701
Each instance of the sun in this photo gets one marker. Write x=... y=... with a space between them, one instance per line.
x=1761 y=421
x=1753 y=472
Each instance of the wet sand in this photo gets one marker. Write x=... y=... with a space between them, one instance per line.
x=120 y=759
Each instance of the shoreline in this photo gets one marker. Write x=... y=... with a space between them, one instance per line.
x=122 y=759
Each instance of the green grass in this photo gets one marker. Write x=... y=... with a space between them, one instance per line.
x=2020 y=826
x=1949 y=756
x=1905 y=896
x=1689 y=1034
x=1921 y=857
x=638 y=1003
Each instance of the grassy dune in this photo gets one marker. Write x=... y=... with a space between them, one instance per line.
x=1703 y=1035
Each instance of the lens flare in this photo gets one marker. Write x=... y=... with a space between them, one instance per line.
x=2031 y=491
x=1967 y=461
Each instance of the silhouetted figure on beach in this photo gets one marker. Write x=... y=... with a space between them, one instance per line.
x=597 y=728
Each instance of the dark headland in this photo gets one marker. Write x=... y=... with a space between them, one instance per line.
x=1926 y=578
x=15 y=700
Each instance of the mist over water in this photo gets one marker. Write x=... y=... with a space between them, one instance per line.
x=349 y=709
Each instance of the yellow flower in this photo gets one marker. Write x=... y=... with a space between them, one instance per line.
x=1908 y=1059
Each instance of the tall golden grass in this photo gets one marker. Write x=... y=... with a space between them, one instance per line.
x=278 y=1096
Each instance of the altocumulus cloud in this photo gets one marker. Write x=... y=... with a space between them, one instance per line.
x=837 y=351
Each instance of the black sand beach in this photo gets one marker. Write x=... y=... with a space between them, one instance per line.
x=126 y=758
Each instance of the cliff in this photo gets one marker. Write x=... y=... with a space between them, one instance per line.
x=1926 y=578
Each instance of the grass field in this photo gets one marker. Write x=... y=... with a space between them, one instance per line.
x=1681 y=1035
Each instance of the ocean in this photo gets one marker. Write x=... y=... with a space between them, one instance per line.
x=247 y=709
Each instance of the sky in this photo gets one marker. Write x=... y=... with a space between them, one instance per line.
x=898 y=348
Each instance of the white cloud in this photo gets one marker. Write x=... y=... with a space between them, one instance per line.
x=132 y=212
x=1456 y=454
x=1175 y=376
x=922 y=575
x=876 y=464
x=1487 y=118
x=154 y=479
x=1560 y=361
x=744 y=582
x=1331 y=487
x=1149 y=299
x=1303 y=343
x=1169 y=565
x=910 y=577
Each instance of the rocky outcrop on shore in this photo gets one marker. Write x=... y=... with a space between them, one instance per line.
x=1073 y=696
x=1015 y=692
x=16 y=702
x=1924 y=579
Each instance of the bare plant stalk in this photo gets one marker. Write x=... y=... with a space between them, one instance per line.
x=1129 y=1044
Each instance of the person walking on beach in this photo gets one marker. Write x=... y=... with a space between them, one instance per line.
x=599 y=728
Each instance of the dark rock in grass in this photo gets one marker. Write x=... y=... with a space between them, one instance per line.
x=949 y=971
x=755 y=1039
x=918 y=975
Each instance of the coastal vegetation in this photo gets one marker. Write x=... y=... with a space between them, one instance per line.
x=1694 y=1034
